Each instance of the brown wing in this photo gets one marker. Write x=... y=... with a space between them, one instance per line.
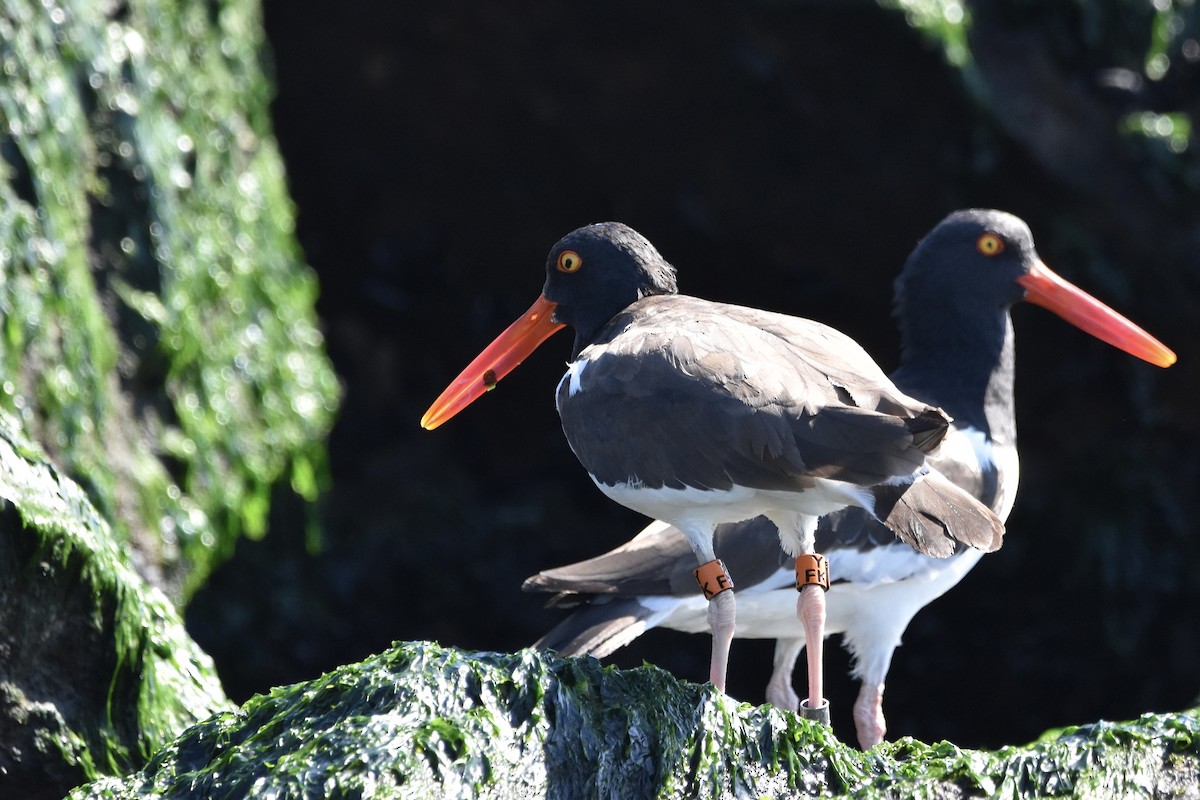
x=680 y=392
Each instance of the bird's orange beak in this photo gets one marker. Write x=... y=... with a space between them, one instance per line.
x=1046 y=289
x=497 y=360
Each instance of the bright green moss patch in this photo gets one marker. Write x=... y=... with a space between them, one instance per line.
x=96 y=669
x=425 y=721
x=421 y=720
x=157 y=329
x=1153 y=756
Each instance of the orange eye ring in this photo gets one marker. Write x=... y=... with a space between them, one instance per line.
x=990 y=244
x=569 y=261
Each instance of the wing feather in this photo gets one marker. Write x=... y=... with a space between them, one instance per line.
x=704 y=395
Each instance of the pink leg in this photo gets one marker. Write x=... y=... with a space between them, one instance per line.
x=779 y=689
x=810 y=608
x=868 y=715
x=722 y=610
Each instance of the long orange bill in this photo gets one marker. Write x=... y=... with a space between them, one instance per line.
x=1046 y=289
x=497 y=360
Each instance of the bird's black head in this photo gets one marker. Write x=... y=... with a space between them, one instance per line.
x=957 y=286
x=593 y=273
x=971 y=262
x=951 y=303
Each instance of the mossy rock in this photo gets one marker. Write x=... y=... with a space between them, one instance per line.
x=421 y=720
x=96 y=669
x=158 y=335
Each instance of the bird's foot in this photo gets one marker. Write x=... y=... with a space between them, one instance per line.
x=779 y=689
x=868 y=715
x=781 y=694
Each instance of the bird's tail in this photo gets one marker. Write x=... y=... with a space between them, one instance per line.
x=934 y=516
x=598 y=628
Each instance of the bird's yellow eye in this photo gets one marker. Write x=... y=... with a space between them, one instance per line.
x=990 y=244
x=569 y=261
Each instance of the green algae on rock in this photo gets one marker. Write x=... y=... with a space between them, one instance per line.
x=425 y=721
x=422 y=721
x=159 y=336
x=96 y=669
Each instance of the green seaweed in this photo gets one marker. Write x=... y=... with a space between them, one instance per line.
x=421 y=720
x=159 y=335
x=158 y=681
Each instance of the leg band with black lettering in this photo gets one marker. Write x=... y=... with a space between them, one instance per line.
x=812 y=569
x=713 y=578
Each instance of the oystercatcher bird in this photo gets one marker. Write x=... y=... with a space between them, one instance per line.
x=952 y=301
x=699 y=413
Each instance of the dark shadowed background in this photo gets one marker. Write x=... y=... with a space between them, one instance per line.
x=782 y=155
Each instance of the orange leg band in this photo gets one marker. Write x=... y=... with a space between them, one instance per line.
x=812 y=569
x=713 y=578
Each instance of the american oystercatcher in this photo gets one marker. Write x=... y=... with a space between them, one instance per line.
x=699 y=413
x=952 y=302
